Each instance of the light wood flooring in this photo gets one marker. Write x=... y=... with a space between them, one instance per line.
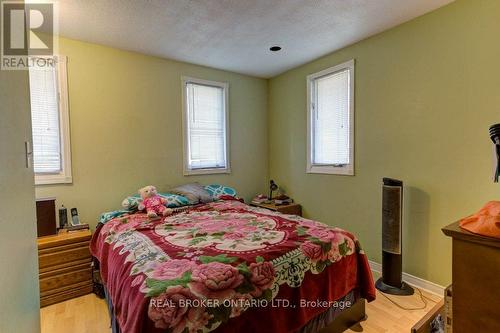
x=86 y=314
x=89 y=314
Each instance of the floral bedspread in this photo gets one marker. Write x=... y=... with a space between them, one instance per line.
x=198 y=269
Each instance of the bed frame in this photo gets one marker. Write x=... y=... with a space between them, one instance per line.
x=343 y=321
x=347 y=318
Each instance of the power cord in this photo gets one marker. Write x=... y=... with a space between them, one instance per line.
x=423 y=298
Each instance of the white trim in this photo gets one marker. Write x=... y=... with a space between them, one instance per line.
x=415 y=281
x=65 y=176
x=331 y=169
x=205 y=171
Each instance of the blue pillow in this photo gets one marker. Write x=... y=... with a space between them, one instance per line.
x=130 y=203
x=105 y=217
x=173 y=200
x=216 y=191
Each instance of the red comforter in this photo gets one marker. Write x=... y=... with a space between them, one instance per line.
x=228 y=267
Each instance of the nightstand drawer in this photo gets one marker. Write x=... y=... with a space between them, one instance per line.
x=63 y=255
x=292 y=209
x=51 y=282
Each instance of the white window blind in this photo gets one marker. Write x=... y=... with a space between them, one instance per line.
x=330 y=120
x=206 y=126
x=45 y=120
x=50 y=122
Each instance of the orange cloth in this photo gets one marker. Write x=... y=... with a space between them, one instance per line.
x=486 y=222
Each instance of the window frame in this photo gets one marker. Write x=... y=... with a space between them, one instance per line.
x=225 y=90
x=347 y=169
x=65 y=176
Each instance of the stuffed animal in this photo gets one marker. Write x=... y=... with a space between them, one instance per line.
x=152 y=202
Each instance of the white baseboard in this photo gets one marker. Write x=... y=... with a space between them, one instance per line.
x=428 y=286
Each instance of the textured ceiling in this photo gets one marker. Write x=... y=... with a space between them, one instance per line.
x=235 y=35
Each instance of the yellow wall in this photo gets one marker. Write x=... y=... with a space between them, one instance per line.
x=126 y=128
x=426 y=93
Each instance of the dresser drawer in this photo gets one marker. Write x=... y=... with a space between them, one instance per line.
x=66 y=293
x=65 y=266
x=63 y=255
x=54 y=281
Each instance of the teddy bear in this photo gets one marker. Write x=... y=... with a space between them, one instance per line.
x=152 y=202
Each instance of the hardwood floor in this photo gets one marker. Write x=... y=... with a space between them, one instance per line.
x=89 y=314
x=385 y=317
x=85 y=314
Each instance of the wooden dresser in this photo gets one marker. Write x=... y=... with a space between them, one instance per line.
x=476 y=281
x=64 y=266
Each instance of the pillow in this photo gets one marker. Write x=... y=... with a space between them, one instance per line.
x=105 y=217
x=195 y=193
x=216 y=191
x=173 y=200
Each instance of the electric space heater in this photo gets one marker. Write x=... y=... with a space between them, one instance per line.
x=391 y=281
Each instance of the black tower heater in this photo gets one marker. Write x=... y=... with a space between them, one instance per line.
x=391 y=281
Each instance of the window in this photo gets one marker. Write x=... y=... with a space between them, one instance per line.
x=330 y=120
x=50 y=123
x=206 y=130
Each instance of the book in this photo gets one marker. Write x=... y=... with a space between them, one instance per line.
x=77 y=227
x=259 y=199
x=279 y=202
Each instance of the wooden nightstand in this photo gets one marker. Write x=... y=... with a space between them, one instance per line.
x=292 y=209
x=65 y=270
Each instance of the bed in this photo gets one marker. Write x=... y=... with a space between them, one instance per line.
x=225 y=266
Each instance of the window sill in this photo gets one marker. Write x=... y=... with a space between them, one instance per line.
x=193 y=172
x=331 y=170
x=53 y=180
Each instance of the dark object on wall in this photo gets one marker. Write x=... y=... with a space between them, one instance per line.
x=391 y=281
x=63 y=217
x=46 y=217
x=495 y=137
x=272 y=187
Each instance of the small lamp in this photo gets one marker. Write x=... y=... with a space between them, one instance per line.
x=495 y=137
x=272 y=187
